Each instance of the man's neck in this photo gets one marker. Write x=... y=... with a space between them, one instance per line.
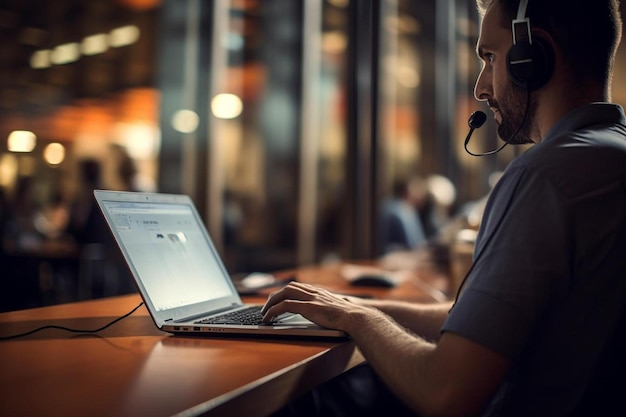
x=555 y=103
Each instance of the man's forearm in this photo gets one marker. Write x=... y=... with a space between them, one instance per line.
x=400 y=359
x=425 y=320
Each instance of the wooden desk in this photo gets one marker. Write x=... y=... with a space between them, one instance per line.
x=132 y=369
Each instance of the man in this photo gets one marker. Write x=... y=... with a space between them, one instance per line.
x=537 y=328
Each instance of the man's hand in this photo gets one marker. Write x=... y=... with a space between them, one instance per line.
x=316 y=304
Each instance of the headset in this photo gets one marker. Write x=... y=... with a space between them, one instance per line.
x=530 y=61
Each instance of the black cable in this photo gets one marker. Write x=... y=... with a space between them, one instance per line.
x=52 y=326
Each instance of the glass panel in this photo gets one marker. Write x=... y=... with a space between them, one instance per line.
x=409 y=152
x=331 y=159
x=400 y=88
x=282 y=160
x=255 y=109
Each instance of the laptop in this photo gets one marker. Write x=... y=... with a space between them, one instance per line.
x=180 y=275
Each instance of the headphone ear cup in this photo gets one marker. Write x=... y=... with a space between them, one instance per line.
x=530 y=66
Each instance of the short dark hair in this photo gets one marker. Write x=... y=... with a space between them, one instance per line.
x=587 y=31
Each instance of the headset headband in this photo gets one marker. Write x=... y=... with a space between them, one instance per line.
x=521 y=20
x=521 y=11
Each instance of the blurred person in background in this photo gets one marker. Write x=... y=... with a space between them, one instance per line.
x=86 y=224
x=20 y=230
x=401 y=226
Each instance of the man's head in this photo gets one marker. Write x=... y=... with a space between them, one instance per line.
x=580 y=35
x=587 y=32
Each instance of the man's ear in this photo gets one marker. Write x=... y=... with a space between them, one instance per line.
x=531 y=65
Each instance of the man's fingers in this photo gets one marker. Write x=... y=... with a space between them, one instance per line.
x=294 y=291
x=285 y=306
x=298 y=298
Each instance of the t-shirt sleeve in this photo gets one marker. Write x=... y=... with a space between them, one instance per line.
x=520 y=264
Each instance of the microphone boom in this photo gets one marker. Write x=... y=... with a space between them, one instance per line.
x=476 y=120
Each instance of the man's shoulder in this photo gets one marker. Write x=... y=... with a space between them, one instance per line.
x=593 y=154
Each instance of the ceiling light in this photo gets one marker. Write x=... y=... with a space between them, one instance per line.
x=21 y=141
x=226 y=106
x=185 y=121
x=123 y=36
x=66 y=53
x=40 y=59
x=54 y=154
x=94 y=44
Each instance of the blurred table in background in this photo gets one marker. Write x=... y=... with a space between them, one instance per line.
x=38 y=273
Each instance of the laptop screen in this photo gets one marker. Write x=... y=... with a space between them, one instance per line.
x=167 y=248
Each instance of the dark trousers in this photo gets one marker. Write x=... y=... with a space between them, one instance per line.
x=358 y=392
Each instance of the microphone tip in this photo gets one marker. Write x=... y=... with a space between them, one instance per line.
x=477 y=119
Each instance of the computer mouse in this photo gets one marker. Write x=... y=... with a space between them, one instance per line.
x=373 y=280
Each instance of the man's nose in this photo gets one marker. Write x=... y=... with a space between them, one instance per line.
x=482 y=89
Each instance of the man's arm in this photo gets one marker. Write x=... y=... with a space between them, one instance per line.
x=452 y=377
x=424 y=320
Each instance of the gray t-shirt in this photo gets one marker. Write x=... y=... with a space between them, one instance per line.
x=548 y=282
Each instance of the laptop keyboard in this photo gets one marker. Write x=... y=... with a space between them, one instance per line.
x=246 y=316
